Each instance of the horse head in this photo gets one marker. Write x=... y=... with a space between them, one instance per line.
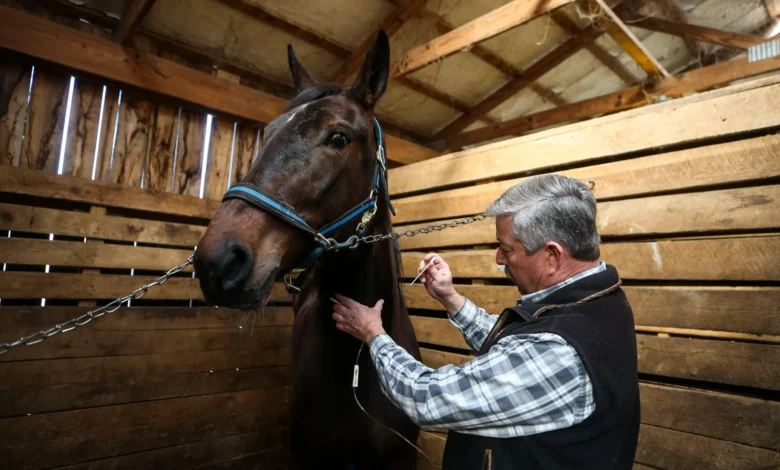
x=313 y=180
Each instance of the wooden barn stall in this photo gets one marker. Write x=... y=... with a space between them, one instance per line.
x=122 y=122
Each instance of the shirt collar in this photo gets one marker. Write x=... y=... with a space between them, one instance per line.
x=536 y=297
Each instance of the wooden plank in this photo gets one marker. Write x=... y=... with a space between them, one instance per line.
x=220 y=152
x=433 y=445
x=630 y=43
x=699 y=33
x=439 y=332
x=718 y=259
x=728 y=111
x=189 y=158
x=112 y=113
x=109 y=431
x=744 y=364
x=517 y=83
x=91 y=131
x=86 y=370
x=689 y=307
x=738 y=209
x=129 y=163
x=40 y=220
x=50 y=41
x=435 y=359
x=162 y=154
x=252 y=450
x=47 y=399
x=740 y=161
x=491 y=24
x=45 y=120
x=89 y=255
x=663 y=448
x=390 y=25
x=14 y=90
x=27 y=285
x=248 y=145
x=718 y=415
x=132 y=16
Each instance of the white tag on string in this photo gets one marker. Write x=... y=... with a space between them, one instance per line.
x=355 y=374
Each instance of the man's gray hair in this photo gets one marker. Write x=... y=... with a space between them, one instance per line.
x=548 y=208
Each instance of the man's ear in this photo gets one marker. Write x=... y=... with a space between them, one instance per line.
x=555 y=253
x=371 y=82
x=301 y=78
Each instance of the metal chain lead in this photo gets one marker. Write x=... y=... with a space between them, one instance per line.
x=82 y=320
x=137 y=294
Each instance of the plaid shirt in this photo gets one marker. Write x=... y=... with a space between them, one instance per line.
x=526 y=384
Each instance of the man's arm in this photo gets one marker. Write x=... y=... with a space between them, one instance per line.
x=473 y=322
x=526 y=384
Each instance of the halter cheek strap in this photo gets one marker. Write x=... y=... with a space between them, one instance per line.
x=254 y=196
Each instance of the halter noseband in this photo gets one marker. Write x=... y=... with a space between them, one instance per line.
x=254 y=196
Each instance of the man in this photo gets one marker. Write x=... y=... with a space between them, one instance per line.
x=555 y=383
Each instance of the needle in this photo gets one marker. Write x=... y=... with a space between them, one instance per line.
x=424 y=269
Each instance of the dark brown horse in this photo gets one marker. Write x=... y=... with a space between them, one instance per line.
x=319 y=160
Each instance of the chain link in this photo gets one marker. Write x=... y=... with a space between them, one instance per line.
x=85 y=318
x=139 y=293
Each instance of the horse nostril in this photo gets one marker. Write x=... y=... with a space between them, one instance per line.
x=236 y=266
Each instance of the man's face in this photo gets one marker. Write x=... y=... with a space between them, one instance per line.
x=524 y=270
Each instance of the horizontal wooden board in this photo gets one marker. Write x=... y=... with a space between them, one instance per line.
x=717 y=259
x=711 y=165
x=728 y=111
x=90 y=343
x=87 y=370
x=76 y=436
x=47 y=399
x=40 y=220
x=252 y=450
x=745 y=364
x=27 y=285
x=751 y=208
x=433 y=445
x=706 y=413
x=673 y=450
x=692 y=307
x=71 y=188
x=90 y=255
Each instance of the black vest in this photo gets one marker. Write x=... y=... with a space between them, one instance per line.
x=602 y=331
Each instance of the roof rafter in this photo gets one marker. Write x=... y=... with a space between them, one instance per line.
x=133 y=15
x=567 y=49
x=485 y=27
x=695 y=81
x=699 y=33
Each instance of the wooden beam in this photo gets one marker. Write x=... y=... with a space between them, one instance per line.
x=629 y=42
x=691 y=82
x=496 y=22
x=612 y=63
x=699 y=33
x=570 y=47
x=38 y=37
x=669 y=10
x=391 y=25
x=131 y=18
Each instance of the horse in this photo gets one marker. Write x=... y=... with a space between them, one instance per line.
x=322 y=165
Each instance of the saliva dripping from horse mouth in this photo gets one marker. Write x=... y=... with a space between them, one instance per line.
x=247 y=313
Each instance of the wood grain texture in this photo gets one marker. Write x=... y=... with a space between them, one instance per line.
x=45 y=121
x=689 y=307
x=90 y=133
x=129 y=162
x=189 y=158
x=163 y=149
x=740 y=161
x=220 y=153
x=40 y=220
x=727 y=111
x=247 y=146
x=14 y=88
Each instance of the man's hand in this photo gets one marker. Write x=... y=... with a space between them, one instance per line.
x=361 y=321
x=438 y=282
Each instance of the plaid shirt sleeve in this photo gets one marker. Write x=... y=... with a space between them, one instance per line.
x=475 y=323
x=525 y=384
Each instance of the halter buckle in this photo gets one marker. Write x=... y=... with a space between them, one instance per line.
x=367 y=216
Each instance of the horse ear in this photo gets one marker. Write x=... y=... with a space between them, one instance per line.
x=371 y=82
x=301 y=78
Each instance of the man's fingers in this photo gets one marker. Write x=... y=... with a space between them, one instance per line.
x=379 y=304
x=346 y=301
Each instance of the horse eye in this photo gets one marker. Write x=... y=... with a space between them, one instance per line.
x=338 y=140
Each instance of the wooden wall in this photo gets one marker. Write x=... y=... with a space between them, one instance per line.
x=689 y=213
x=171 y=382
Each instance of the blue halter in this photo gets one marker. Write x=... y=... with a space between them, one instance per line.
x=254 y=196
